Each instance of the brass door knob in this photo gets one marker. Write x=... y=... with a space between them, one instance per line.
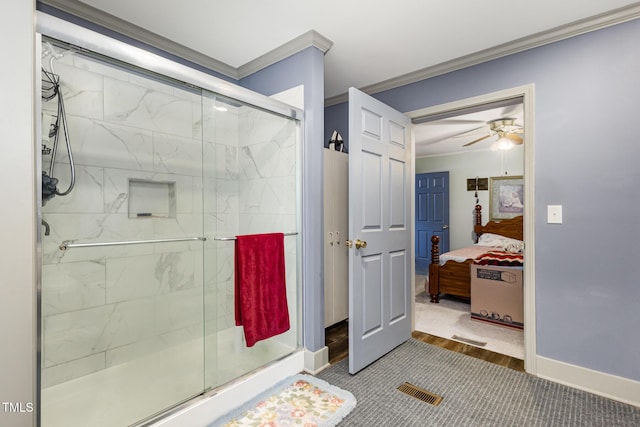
x=358 y=243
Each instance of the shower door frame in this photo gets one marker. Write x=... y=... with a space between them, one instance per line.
x=92 y=41
x=112 y=48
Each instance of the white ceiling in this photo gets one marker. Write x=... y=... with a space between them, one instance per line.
x=373 y=41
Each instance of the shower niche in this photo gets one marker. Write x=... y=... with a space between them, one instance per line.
x=152 y=199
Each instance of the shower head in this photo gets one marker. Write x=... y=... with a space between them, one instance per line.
x=49 y=50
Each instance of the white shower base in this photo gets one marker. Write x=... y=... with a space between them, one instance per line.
x=208 y=408
x=126 y=393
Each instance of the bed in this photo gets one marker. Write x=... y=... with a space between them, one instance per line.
x=450 y=273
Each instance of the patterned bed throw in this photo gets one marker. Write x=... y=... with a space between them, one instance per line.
x=506 y=259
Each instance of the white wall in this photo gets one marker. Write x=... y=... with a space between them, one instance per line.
x=17 y=251
x=483 y=164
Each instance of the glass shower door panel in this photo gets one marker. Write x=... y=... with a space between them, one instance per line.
x=220 y=219
x=250 y=188
x=122 y=326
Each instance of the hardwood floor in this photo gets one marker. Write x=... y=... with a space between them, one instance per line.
x=337 y=339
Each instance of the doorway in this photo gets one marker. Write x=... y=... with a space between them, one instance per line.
x=525 y=94
x=459 y=112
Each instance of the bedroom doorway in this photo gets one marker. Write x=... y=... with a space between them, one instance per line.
x=459 y=112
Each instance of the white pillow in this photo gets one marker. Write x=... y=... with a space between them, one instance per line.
x=489 y=239
x=497 y=241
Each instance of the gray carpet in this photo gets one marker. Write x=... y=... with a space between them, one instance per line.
x=476 y=393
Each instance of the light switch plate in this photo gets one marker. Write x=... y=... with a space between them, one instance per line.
x=554 y=214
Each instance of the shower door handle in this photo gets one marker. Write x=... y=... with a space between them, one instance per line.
x=68 y=244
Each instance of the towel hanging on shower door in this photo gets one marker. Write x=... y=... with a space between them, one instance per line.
x=260 y=286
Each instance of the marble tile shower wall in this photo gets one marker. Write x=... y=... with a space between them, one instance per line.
x=105 y=306
x=255 y=187
x=267 y=190
x=221 y=213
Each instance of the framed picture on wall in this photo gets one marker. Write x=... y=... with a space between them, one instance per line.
x=506 y=197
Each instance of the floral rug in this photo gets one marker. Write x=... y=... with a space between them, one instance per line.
x=301 y=400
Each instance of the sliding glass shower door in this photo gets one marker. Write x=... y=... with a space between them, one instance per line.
x=137 y=284
x=123 y=264
x=251 y=187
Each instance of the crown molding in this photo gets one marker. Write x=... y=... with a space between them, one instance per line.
x=120 y=26
x=309 y=39
x=573 y=29
x=111 y=22
x=314 y=39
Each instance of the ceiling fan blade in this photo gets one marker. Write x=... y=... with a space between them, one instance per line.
x=477 y=140
x=514 y=138
x=468 y=132
x=435 y=141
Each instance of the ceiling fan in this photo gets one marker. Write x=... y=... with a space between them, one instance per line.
x=505 y=129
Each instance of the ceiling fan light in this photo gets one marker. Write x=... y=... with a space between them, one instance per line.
x=504 y=144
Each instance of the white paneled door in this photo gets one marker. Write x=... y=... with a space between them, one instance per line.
x=380 y=177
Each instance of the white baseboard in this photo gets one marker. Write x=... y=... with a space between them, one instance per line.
x=600 y=383
x=316 y=361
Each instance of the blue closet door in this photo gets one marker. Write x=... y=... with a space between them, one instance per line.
x=432 y=216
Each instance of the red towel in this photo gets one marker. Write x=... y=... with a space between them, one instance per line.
x=260 y=286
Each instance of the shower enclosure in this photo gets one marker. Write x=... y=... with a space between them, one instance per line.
x=137 y=280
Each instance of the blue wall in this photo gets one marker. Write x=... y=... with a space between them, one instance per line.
x=306 y=68
x=337 y=118
x=587 y=103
